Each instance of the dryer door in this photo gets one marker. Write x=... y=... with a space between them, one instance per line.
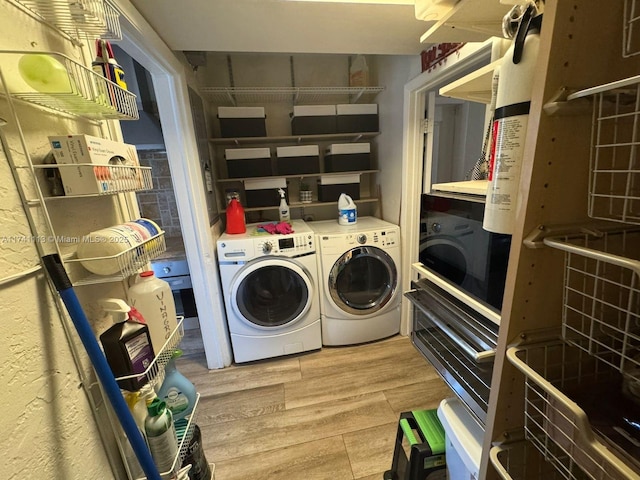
x=363 y=280
x=271 y=292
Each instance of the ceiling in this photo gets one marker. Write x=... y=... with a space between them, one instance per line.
x=285 y=26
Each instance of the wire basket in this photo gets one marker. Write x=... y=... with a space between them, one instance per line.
x=557 y=426
x=630 y=38
x=96 y=17
x=601 y=312
x=68 y=86
x=614 y=183
x=522 y=461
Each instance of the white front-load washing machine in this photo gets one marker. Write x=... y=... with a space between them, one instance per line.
x=360 y=275
x=271 y=292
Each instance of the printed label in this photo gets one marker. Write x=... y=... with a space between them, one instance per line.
x=176 y=400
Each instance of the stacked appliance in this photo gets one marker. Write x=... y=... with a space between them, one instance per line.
x=271 y=293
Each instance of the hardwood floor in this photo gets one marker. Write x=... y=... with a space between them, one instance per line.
x=328 y=414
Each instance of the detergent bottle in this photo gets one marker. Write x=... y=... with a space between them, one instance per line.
x=347 y=210
x=235 y=217
x=283 y=210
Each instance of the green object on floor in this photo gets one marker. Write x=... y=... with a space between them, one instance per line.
x=420 y=448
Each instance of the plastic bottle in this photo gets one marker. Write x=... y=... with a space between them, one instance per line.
x=161 y=435
x=153 y=298
x=127 y=346
x=177 y=391
x=195 y=456
x=106 y=65
x=283 y=210
x=347 y=210
x=235 y=217
x=359 y=72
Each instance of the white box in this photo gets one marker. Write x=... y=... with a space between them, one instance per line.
x=246 y=153
x=339 y=179
x=314 y=110
x=357 y=109
x=345 y=148
x=241 y=112
x=91 y=154
x=88 y=149
x=265 y=183
x=463 y=437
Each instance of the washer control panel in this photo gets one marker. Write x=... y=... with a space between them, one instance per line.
x=247 y=248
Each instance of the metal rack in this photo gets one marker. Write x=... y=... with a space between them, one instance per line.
x=631 y=39
x=557 y=426
x=78 y=90
x=95 y=17
x=601 y=301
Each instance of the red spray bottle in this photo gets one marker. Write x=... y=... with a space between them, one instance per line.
x=235 y=217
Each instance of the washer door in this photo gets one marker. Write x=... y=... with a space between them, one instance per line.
x=363 y=280
x=446 y=256
x=271 y=292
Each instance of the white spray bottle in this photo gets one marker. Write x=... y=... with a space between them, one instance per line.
x=283 y=210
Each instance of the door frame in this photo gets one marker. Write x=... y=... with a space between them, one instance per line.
x=413 y=171
x=143 y=44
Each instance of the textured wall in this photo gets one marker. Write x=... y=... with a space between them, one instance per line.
x=48 y=427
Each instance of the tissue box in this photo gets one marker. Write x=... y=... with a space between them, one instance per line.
x=345 y=157
x=242 y=122
x=355 y=118
x=263 y=192
x=91 y=179
x=298 y=159
x=248 y=162
x=313 y=120
x=331 y=186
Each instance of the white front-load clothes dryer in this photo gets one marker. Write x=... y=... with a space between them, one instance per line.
x=360 y=275
x=271 y=292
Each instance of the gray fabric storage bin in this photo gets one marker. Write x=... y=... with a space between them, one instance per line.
x=313 y=120
x=298 y=160
x=347 y=157
x=242 y=122
x=248 y=162
x=356 y=118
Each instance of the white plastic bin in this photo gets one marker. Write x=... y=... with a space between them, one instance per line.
x=463 y=440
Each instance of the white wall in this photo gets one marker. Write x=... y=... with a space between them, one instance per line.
x=393 y=72
x=47 y=424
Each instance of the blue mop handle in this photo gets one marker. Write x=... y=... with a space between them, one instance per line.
x=62 y=283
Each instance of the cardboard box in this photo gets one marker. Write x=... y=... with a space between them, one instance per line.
x=346 y=157
x=242 y=122
x=248 y=162
x=313 y=120
x=298 y=159
x=356 y=118
x=263 y=192
x=331 y=186
x=93 y=155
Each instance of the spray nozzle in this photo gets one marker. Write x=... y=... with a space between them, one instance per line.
x=281 y=192
x=120 y=306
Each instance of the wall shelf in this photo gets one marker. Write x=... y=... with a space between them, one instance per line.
x=468 y=21
x=306 y=205
x=298 y=175
x=295 y=95
x=475 y=87
x=352 y=137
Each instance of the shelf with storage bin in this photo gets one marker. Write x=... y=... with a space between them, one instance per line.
x=468 y=21
x=75 y=90
x=311 y=204
x=98 y=18
x=110 y=179
x=155 y=371
x=475 y=87
x=123 y=264
x=295 y=95
x=184 y=431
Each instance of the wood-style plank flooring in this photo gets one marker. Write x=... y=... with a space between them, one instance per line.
x=328 y=414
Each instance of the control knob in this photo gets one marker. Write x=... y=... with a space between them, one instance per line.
x=166 y=270
x=267 y=247
x=361 y=238
x=436 y=227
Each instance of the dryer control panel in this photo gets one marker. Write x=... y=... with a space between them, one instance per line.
x=337 y=243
